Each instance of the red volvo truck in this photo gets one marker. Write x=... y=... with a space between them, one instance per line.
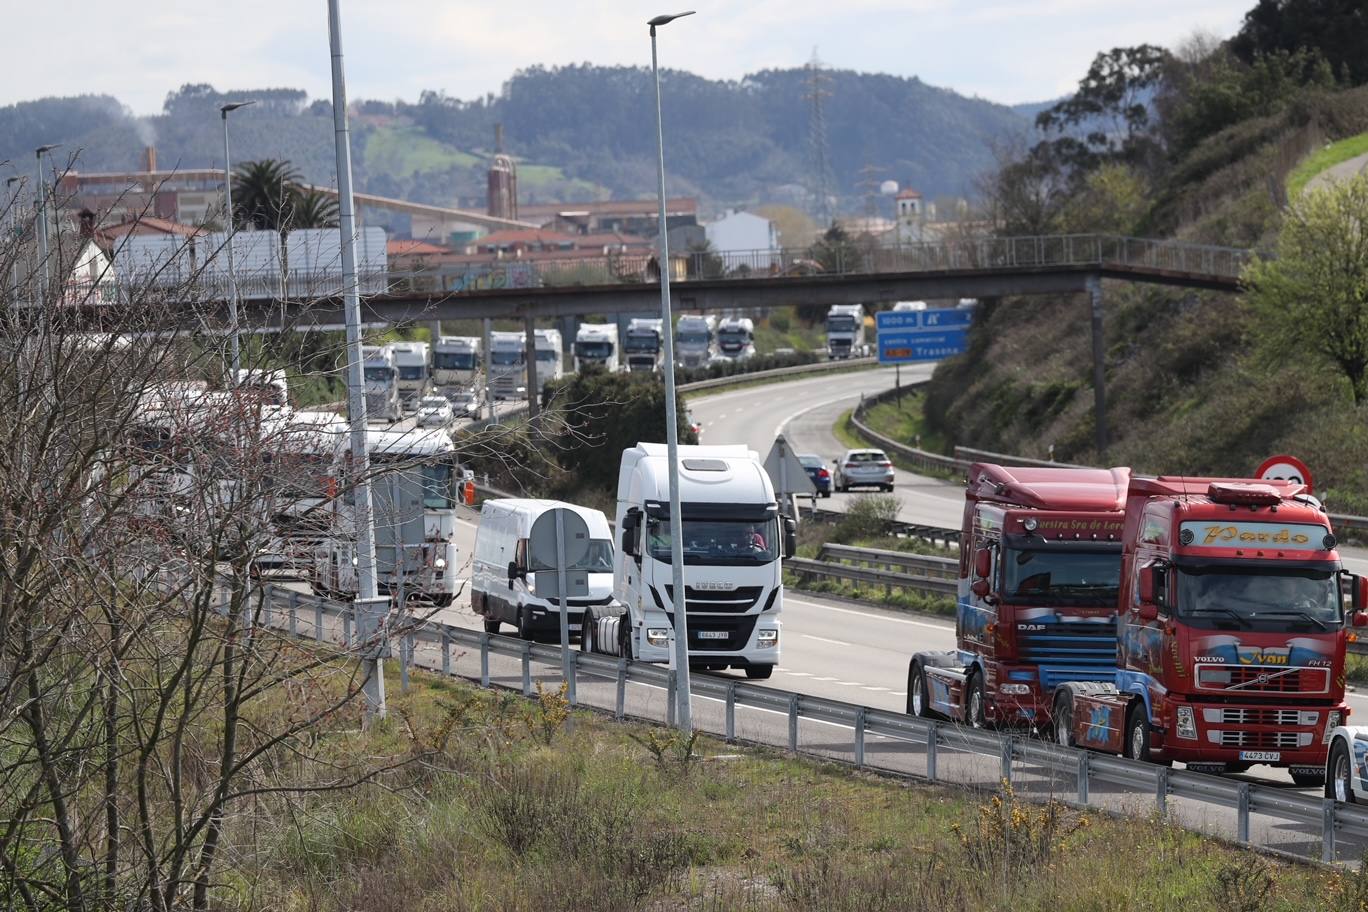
x=1040 y=575
x=1232 y=632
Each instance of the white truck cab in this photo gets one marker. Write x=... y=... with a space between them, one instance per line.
x=411 y=361
x=381 y=379
x=736 y=338
x=695 y=337
x=507 y=365
x=550 y=356
x=455 y=363
x=734 y=543
x=596 y=343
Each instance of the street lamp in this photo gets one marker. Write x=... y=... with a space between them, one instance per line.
x=14 y=239
x=38 y=153
x=224 y=111
x=683 y=716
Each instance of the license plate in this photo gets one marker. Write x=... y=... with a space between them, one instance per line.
x=712 y=634
x=1260 y=756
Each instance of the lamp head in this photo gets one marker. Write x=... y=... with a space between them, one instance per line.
x=44 y=150
x=233 y=106
x=667 y=18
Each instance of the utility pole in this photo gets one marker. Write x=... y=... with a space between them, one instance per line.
x=370 y=621
x=817 y=93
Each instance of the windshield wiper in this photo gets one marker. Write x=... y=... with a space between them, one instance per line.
x=1239 y=618
x=1295 y=613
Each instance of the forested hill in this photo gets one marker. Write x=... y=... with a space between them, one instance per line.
x=576 y=130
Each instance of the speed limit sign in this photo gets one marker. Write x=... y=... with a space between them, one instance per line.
x=1285 y=468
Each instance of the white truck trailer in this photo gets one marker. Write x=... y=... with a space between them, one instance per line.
x=695 y=336
x=734 y=540
x=411 y=361
x=845 y=331
x=736 y=338
x=596 y=343
x=643 y=345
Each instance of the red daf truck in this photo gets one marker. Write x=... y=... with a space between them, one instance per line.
x=1232 y=632
x=1040 y=575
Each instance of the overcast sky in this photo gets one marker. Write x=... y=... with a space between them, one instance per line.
x=138 y=50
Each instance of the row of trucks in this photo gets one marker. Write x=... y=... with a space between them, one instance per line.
x=198 y=456
x=1166 y=619
x=734 y=540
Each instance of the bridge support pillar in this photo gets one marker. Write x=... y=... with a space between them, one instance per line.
x=533 y=399
x=1099 y=366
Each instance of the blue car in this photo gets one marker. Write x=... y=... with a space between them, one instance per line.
x=818 y=472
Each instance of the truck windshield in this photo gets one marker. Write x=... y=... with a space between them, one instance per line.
x=598 y=559
x=600 y=350
x=1265 y=598
x=693 y=338
x=414 y=372
x=454 y=361
x=1085 y=578
x=841 y=324
x=726 y=542
x=547 y=356
x=732 y=339
x=642 y=343
x=506 y=357
x=439 y=489
x=379 y=374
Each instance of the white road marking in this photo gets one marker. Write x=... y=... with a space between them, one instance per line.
x=779 y=428
x=823 y=679
x=799 y=674
x=808 y=636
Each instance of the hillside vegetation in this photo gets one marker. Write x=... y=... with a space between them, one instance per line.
x=1197 y=382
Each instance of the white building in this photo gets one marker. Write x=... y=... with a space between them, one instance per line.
x=744 y=233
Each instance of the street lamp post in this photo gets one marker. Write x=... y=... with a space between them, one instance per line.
x=38 y=153
x=224 y=111
x=683 y=715
x=14 y=239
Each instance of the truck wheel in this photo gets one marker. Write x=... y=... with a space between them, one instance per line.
x=587 y=632
x=974 y=712
x=1309 y=780
x=491 y=625
x=1138 y=733
x=1340 y=785
x=759 y=672
x=1063 y=721
x=918 y=699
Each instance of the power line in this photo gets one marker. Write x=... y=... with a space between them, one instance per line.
x=817 y=82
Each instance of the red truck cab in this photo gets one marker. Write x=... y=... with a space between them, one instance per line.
x=1232 y=631
x=1040 y=573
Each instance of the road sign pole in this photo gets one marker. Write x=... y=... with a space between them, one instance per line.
x=564 y=599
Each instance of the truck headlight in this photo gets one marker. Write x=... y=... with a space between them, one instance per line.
x=440 y=563
x=767 y=639
x=658 y=636
x=1332 y=721
x=1187 y=723
x=1018 y=689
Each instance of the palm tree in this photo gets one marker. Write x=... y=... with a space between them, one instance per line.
x=311 y=209
x=264 y=194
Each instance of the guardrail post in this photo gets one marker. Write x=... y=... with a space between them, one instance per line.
x=859 y=737
x=1006 y=754
x=527 y=667
x=405 y=656
x=670 y=694
x=793 y=723
x=318 y=621
x=731 y=713
x=1161 y=789
x=932 y=737
x=1082 y=777
x=347 y=626
x=484 y=659
x=1242 y=814
x=571 y=673
x=1328 y=830
x=294 y=613
x=620 y=710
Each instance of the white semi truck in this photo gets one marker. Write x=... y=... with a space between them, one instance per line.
x=734 y=541
x=694 y=338
x=644 y=342
x=455 y=364
x=550 y=356
x=414 y=491
x=411 y=361
x=381 y=383
x=845 y=331
x=507 y=367
x=736 y=338
x=596 y=343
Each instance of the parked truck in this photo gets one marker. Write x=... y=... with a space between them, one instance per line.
x=695 y=336
x=411 y=362
x=597 y=344
x=736 y=338
x=734 y=540
x=455 y=364
x=643 y=345
x=845 y=331
x=1039 y=577
x=1232 y=632
x=381 y=379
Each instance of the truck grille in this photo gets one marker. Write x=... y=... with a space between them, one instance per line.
x=1243 y=716
x=712 y=601
x=737 y=632
x=1263 y=679
x=1070 y=651
x=1262 y=740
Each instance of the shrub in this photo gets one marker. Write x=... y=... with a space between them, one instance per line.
x=869 y=516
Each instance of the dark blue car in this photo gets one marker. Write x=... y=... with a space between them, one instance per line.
x=818 y=472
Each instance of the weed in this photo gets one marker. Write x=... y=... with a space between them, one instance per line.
x=667 y=746
x=1011 y=836
x=869 y=516
x=1243 y=886
x=548 y=713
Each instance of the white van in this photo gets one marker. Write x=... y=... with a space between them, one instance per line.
x=503 y=588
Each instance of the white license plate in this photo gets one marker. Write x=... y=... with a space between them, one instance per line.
x=1260 y=756
x=712 y=634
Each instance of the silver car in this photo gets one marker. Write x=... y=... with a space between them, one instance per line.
x=434 y=411
x=864 y=468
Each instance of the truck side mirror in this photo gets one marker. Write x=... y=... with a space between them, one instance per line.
x=513 y=572
x=790 y=537
x=983 y=564
x=631 y=523
x=1147 y=585
x=1148 y=611
x=1358 y=601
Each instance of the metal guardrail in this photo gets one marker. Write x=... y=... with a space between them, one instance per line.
x=778 y=373
x=1016 y=759
x=910 y=456
x=917 y=564
x=807 y=569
